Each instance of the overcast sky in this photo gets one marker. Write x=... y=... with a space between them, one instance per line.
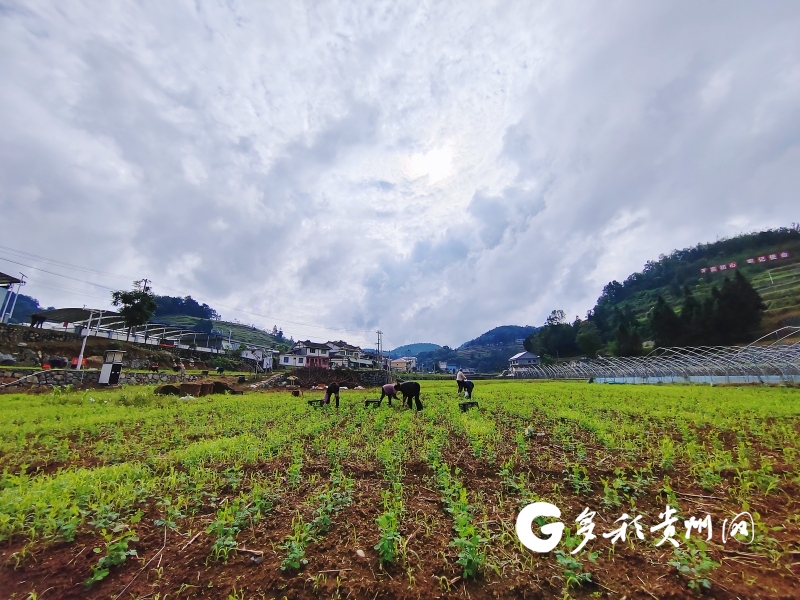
x=434 y=169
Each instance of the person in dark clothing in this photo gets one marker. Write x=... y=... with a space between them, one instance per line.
x=331 y=390
x=468 y=385
x=410 y=390
x=390 y=391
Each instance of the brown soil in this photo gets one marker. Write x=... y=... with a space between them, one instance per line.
x=430 y=571
x=184 y=568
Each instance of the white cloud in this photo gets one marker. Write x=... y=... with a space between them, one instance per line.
x=433 y=169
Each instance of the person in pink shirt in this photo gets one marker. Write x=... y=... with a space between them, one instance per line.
x=389 y=390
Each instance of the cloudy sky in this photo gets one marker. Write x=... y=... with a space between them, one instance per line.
x=434 y=169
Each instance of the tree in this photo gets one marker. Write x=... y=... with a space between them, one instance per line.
x=588 y=339
x=690 y=315
x=556 y=337
x=750 y=307
x=667 y=327
x=169 y=305
x=137 y=305
x=204 y=325
x=628 y=342
x=557 y=317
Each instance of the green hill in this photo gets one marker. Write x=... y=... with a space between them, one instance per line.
x=413 y=349
x=499 y=336
x=488 y=359
x=777 y=281
x=487 y=353
x=238 y=332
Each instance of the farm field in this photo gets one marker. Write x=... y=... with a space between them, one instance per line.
x=124 y=494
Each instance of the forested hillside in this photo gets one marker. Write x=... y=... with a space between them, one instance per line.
x=729 y=291
x=188 y=306
x=505 y=334
x=188 y=312
x=487 y=353
x=24 y=307
x=413 y=349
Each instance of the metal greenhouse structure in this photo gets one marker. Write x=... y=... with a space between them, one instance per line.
x=774 y=358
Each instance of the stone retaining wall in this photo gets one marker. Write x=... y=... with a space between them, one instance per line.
x=39 y=380
x=371 y=378
x=23 y=341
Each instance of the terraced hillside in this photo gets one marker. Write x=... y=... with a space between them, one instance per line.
x=777 y=281
x=780 y=289
x=238 y=332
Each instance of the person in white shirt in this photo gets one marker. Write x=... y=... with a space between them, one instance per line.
x=460 y=379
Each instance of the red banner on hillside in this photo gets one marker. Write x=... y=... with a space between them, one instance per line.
x=750 y=261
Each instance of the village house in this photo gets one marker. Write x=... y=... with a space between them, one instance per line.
x=523 y=360
x=306 y=354
x=371 y=356
x=291 y=360
x=346 y=356
x=261 y=356
x=359 y=363
x=412 y=362
x=399 y=364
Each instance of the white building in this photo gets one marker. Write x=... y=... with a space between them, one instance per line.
x=306 y=354
x=523 y=360
x=292 y=360
x=261 y=356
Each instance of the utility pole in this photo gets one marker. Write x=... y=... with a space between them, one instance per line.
x=379 y=349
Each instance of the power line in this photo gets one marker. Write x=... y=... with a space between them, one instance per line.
x=61 y=263
x=56 y=274
x=39 y=283
x=67 y=265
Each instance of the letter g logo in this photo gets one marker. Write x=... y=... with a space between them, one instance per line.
x=552 y=530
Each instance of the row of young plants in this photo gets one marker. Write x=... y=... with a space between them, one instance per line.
x=702 y=447
x=693 y=437
x=56 y=505
x=392 y=453
x=467 y=539
x=334 y=497
x=594 y=447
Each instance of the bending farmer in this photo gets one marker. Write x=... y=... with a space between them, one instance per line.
x=390 y=391
x=468 y=385
x=409 y=389
x=332 y=389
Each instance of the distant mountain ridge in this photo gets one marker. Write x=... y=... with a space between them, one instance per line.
x=500 y=336
x=489 y=352
x=413 y=349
